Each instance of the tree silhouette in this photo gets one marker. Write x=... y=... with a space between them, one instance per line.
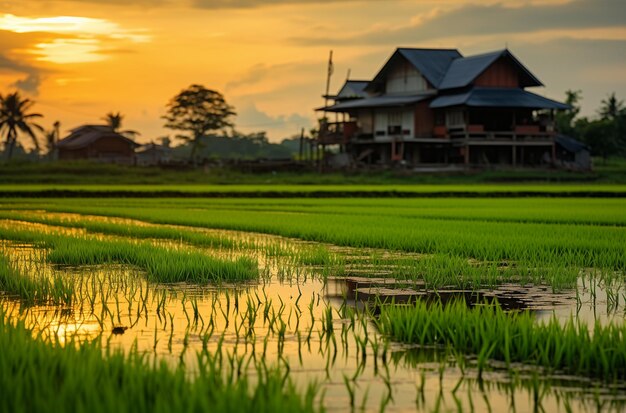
x=114 y=121
x=198 y=111
x=15 y=119
x=611 y=108
x=565 y=119
x=52 y=138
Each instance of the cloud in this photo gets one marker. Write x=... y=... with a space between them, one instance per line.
x=247 y=4
x=29 y=84
x=594 y=66
x=71 y=39
x=32 y=75
x=275 y=74
x=250 y=118
x=480 y=19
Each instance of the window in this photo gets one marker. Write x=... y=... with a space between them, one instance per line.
x=455 y=118
x=394 y=123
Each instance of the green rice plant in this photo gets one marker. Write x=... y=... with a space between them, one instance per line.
x=161 y=264
x=128 y=230
x=548 y=240
x=32 y=288
x=517 y=337
x=84 y=376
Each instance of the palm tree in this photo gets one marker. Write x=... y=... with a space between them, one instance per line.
x=611 y=107
x=15 y=119
x=52 y=138
x=114 y=121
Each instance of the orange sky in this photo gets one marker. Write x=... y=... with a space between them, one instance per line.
x=80 y=59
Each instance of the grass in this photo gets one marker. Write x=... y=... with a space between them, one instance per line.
x=453 y=242
x=98 y=173
x=34 y=289
x=127 y=230
x=161 y=264
x=490 y=333
x=528 y=240
x=312 y=190
x=42 y=376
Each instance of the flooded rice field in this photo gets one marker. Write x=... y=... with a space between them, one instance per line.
x=313 y=308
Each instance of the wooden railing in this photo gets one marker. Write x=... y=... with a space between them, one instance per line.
x=478 y=132
x=336 y=132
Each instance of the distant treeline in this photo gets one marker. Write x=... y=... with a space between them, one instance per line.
x=238 y=146
x=605 y=135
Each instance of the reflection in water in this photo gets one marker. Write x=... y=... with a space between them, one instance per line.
x=321 y=327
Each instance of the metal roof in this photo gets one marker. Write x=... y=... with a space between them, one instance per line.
x=464 y=70
x=497 y=97
x=431 y=63
x=353 y=89
x=87 y=134
x=377 y=102
x=570 y=144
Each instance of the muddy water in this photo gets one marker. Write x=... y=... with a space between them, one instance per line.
x=316 y=327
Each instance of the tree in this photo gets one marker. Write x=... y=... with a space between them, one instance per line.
x=565 y=119
x=114 y=121
x=51 y=139
x=15 y=119
x=611 y=108
x=198 y=111
x=598 y=134
x=613 y=113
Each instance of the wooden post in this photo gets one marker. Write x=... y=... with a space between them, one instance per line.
x=513 y=148
x=301 y=145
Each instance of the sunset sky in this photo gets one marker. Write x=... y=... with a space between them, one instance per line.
x=83 y=58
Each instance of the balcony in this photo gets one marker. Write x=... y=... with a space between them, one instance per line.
x=475 y=132
x=336 y=133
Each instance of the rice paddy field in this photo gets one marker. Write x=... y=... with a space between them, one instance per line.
x=429 y=304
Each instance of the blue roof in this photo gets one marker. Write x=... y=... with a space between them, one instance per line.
x=570 y=144
x=377 y=102
x=431 y=63
x=464 y=70
x=497 y=97
x=353 y=89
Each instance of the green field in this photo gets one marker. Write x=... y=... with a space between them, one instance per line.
x=86 y=173
x=427 y=303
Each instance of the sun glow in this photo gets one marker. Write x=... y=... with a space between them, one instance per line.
x=82 y=38
x=69 y=51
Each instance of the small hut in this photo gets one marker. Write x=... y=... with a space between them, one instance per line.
x=572 y=154
x=99 y=143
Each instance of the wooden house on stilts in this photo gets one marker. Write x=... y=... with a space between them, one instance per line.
x=435 y=106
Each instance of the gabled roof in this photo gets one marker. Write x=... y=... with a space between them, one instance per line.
x=353 y=89
x=497 y=97
x=431 y=63
x=377 y=102
x=465 y=70
x=85 y=135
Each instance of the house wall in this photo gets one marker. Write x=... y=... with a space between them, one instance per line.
x=365 y=121
x=384 y=119
x=67 y=154
x=500 y=74
x=404 y=78
x=424 y=120
x=104 y=148
x=111 y=147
